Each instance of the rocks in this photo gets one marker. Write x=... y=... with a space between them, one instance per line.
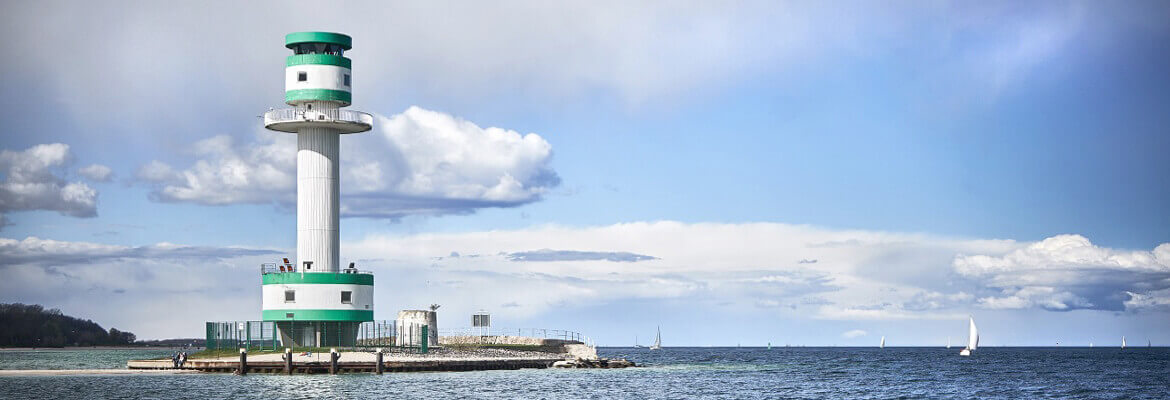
x=596 y=363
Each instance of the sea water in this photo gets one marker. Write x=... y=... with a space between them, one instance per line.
x=699 y=373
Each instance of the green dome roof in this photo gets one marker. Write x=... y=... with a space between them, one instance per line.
x=318 y=37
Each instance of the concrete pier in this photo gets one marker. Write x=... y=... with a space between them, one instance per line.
x=325 y=367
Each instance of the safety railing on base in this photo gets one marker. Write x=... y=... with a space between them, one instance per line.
x=538 y=333
x=276 y=335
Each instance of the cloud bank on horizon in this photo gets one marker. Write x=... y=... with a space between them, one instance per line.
x=859 y=276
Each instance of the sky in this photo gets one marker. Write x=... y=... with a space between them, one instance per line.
x=804 y=173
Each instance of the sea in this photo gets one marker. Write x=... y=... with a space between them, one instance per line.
x=670 y=373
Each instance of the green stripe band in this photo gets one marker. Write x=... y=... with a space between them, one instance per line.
x=317 y=95
x=318 y=59
x=318 y=315
x=292 y=278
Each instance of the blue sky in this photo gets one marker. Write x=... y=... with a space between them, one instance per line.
x=995 y=159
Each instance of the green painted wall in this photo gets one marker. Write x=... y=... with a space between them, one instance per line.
x=317 y=94
x=290 y=278
x=318 y=315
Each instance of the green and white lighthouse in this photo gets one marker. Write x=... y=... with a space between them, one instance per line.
x=315 y=301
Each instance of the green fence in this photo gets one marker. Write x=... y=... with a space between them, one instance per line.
x=275 y=335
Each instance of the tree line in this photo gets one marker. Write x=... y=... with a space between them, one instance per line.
x=24 y=325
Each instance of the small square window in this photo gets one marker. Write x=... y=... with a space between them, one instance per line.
x=346 y=79
x=346 y=297
x=288 y=315
x=302 y=76
x=290 y=296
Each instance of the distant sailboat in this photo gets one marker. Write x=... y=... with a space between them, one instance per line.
x=948 y=342
x=657 y=340
x=636 y=345
x=1149 y=344
x=972 y=339
x=883 y=343
x=1123 y=342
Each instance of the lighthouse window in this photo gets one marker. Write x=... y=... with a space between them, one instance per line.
x=290 y=296
x=346 y=297
x=346 y=79
x=302 y=76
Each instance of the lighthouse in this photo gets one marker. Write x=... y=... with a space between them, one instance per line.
x=314 y=301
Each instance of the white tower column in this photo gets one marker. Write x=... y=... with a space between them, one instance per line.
x=317 y=199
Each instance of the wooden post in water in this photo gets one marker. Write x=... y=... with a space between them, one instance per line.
x=333 y=356
x=378 y=368
x=243 y=370
x=288 y=361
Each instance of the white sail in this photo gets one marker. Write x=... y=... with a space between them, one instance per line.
x=657 y=340
x=1123 y=342
x=948 y=342
x=973 y=335
x=883 y=343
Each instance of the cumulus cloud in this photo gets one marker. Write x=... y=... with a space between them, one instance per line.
x=34 y=180
x=1068 y=272
x=419 y=162
x=572 y=255
x=96 y=172
x=853 y=333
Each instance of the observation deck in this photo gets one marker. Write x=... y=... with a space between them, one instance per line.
x=291 y=120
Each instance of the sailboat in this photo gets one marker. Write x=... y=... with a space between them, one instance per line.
x=1149 y=344
x=657 y=340
x=882 y=345
x=948 y=342
x=636 y=345
x=1123 y=342
x=972 y=339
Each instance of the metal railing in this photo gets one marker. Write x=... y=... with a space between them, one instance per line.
x=538 y=333
x=276 y=335
x=327 y=115
x=279 y=268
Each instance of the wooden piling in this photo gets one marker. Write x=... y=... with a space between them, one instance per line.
x=333 y=356
x=243 y=370
x=378 y=367
x=288 y=366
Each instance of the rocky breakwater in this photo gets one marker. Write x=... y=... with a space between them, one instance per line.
x=584 y=356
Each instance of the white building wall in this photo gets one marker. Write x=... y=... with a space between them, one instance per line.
x=330 y=77
x=318 y=296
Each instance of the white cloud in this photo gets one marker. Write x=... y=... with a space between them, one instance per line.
x=51 y=253
x=419 y=162
x=743 y=269
x=853 y=333
x=96 y=172
x=34 y=180
x=1068 y=272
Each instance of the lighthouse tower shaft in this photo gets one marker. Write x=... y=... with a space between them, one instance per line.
x=318 y=206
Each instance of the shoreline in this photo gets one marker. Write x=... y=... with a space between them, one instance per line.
x=108 y=371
